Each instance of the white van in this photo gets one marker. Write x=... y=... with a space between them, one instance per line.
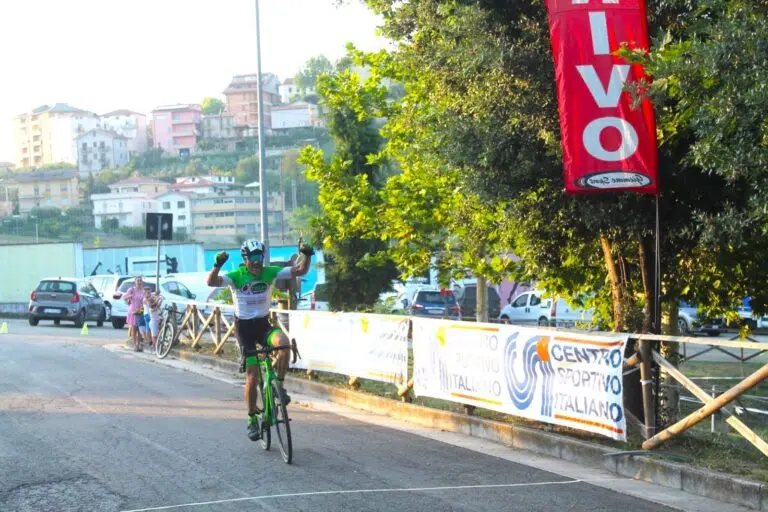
x=531 y=308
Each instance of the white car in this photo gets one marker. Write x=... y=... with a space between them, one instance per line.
x=531 y=308
x=170 y=287
x=528 y=308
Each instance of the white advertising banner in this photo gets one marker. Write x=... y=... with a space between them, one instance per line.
x=574 y=380
x=367 y=346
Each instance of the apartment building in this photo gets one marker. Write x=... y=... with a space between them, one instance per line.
x=47 y=135
x=179 y=204
x=175 y=128
x=101 y=149
x=128 y=201
x=288 y=90
x=243 y=100
x=218 y=126
x=140 y=184
x=296 y=115
x=129 y=124
x=58 y=188
x=229 y=215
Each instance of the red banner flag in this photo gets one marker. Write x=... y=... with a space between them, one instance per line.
x=607 y=144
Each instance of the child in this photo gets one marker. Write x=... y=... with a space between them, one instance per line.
x=152 y=311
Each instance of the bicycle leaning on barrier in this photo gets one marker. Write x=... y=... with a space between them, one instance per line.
x=168 y=335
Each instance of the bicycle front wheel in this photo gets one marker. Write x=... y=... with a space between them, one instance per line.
x=165 y=339
x=282 y=425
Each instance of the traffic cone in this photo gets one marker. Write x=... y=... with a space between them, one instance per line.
x=84 y=332
x=4 y=328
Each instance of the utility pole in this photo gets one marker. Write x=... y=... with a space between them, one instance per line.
x=262 y=151
x=282 y=204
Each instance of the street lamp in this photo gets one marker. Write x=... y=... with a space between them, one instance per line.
x=262 y=152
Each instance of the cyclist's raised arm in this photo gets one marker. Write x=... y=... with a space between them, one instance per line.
x=303 y=262
x=214 y=279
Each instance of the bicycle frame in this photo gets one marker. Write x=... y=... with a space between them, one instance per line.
x=267 y=375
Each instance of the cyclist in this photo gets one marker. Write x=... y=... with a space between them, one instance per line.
x=251 y=286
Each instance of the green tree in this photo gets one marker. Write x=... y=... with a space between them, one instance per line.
x=306 y=78
x=211 y=105
x=349 y=184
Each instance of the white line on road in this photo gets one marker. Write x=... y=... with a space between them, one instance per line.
x=362 y=491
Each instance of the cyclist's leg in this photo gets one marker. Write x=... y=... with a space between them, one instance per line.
x=247 y=335
x=276 y=338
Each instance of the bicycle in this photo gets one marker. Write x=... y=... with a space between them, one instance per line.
x=169 y=331
x=274 y=413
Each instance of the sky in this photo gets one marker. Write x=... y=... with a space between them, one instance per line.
x=104 y=55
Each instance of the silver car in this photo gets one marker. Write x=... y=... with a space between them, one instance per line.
x=70 y=299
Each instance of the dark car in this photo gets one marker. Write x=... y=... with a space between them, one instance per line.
x=70 y=299
x=468 y=302
x=433 y=303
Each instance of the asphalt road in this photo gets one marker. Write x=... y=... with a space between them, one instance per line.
x=85 y=426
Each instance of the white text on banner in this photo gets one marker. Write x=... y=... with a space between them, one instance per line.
x=572 y=380
x=367 y=346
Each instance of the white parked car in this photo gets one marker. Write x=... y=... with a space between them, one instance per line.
x=531 y=308
x=528 y=308
x=170 y=287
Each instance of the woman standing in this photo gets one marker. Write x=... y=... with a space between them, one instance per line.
x=135 y=299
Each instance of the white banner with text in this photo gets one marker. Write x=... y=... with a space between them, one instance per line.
x=362 y=345
x=574 y=380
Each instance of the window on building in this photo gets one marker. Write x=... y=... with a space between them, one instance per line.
x=166 y=205
x=37 y=190
x=181 y=204
x=64 y=187
x=182 y=217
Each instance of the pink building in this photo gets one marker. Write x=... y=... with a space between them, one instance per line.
x=175 y=128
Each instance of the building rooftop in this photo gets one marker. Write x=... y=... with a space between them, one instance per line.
x=288 y=81
x=45 y=175
x=111 y=133
x=60 y=108
x=138 y=180
x=122 y=112
x=179 y=106
x=292 y=106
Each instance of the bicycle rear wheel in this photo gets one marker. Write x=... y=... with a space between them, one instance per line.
x=165 y=339
x=282 y=425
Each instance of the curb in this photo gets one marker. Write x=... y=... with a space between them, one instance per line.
x=710 y=484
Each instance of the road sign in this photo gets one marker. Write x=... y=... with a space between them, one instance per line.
x=159 y=226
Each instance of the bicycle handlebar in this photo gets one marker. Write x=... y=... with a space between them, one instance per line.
x=293 y=348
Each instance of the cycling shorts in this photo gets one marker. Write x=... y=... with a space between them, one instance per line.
x=253 y=332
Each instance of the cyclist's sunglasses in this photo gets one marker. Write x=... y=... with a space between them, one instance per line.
x=256 y=257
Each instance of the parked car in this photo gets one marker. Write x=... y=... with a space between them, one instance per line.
x=467 y=299
x=170 y=287
x=562 y=314
x=64 y=298
x=528 y=308
x=434 y=303
x=689 y=322
x=319 y=298
x=749 y=317
x=108 y=285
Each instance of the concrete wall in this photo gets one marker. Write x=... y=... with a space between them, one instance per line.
x=25 y=265
x=140 y=259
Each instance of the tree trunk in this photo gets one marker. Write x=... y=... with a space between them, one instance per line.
x=647 y=291
x=669 y=393
x=613 y=275
x=481 y=314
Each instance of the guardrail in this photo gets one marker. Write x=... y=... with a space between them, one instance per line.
x=325 y=340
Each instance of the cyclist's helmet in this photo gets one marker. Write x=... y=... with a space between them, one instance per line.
x=251 y=247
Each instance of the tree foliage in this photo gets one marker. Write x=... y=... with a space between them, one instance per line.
x=348 y=183
x=211 y=105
